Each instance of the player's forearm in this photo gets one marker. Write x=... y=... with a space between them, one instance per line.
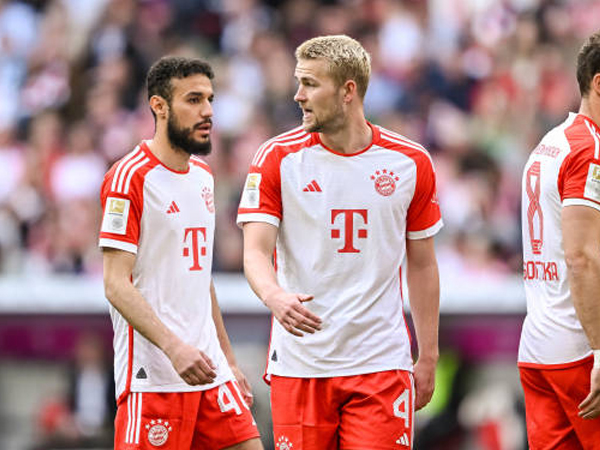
x=135 y=309
x=424 y=294
x=261 y=275
x=584 y=281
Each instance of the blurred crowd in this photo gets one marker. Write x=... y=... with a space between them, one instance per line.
x=478 y=82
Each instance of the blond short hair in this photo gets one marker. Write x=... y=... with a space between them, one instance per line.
x=347 y=59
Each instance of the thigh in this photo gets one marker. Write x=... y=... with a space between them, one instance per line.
x=379 y=412
x=224 y=420
x=305 y=413
x=548 y=426
x=146 y=420
x=572 y=385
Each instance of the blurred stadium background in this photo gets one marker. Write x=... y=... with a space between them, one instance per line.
x=477 y=81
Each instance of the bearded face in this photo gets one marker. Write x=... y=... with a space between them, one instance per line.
x=185 y=138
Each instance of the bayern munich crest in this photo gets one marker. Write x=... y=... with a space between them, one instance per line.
x=208 y=197
x=283 y=443
x=385 y=182
x=158 y=432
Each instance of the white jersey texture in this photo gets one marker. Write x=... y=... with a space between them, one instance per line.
x=167 y=219
x=563 y=170
x=343 y=223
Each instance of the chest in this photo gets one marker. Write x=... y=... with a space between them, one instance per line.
x=318 y=183
x=177 y=204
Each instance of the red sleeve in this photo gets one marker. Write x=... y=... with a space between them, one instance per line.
x=579 y=177
x=121 y=211
x=424 y=217
x=261 y=197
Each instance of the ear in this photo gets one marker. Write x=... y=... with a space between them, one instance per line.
x=349 y=89
x=159 y=106
x=595 y=85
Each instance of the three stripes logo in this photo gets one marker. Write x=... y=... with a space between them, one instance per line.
x=403 y=440
x=173 y=208
x=313 y=186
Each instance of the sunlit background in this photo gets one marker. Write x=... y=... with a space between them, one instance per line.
x=478 y=82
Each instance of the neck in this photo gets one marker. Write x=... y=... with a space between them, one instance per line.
x=173 y=158
x=352 y=137
x=590 y=107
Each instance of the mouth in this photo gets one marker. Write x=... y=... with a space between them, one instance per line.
x=306 y=112
x=203 y=127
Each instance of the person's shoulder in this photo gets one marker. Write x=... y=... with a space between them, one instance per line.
x=394 y=141
x=196 y=161
x=582 y=135
x=289 y=142
x=128 y=171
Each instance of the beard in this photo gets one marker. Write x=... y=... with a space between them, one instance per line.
x=329 y=122
x=181 y=137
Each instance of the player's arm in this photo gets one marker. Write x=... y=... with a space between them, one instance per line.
x=259 y=245
x=581 y=241
x=191 y=364
x=225 y=344
x=424 y=293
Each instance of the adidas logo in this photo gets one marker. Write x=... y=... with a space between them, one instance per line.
x=141 y=375
x=313 y=186
x=173 y=208
x=403 y=440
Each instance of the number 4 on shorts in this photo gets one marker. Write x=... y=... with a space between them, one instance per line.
x=402 y=407
x=227 y=401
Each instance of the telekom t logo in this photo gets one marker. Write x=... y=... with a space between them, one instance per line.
x=348 y=227
x=197 y=251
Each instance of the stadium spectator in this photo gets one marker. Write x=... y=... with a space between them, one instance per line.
x=487 y=80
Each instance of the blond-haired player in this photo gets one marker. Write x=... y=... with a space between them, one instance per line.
x=343 y=203
x=561 y=268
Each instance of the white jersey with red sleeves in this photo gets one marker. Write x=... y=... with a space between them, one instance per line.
x=167 y=219
x=563 y=170
x=343 y=223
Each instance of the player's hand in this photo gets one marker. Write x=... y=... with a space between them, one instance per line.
x=424 y=373
x=192 y=365
x=590 y=406
x=244 y=385
x=295 y=318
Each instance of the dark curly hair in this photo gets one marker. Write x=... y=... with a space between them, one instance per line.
x=166 y=68
x=588 y=63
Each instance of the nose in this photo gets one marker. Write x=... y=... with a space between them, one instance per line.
x=207 y=110
x=300 y=94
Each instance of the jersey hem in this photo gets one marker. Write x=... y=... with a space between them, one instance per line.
x=532 y=365
x=257 y=217
x=182 y=387
x=580 y=202
x=114 y=243
x=422 y=234
x=342 y=373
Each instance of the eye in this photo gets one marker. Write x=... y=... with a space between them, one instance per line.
x=194 y=100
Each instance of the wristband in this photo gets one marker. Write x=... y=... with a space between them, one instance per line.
x=596 y=359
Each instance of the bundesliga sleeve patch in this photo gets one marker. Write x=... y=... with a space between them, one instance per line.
x=592 y=183
x=251 y=194
x=115 y=215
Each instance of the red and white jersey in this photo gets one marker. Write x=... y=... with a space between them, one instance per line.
x=167 y=219
x=563 y=170
x=343 y=223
